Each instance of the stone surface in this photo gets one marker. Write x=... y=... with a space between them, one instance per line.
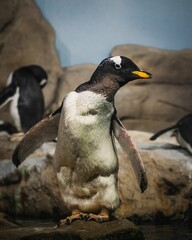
x=169 y=170
x=26 y=38
x=162 y=100
x=32 y=190
x=73 y=77
x=117 y=229
x=6 y=222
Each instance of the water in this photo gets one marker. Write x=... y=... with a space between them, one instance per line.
x=167 y=232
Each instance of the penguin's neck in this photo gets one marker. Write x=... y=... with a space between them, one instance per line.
x=105 y=85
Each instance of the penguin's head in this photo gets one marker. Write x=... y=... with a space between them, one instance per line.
x=111 y=74
x=40 y=74
x=121 y=69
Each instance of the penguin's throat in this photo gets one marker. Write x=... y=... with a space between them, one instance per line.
x=107 y=87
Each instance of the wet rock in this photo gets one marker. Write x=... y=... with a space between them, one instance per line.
x=117 y=229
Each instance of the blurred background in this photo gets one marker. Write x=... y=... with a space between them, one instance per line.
x=87 y=30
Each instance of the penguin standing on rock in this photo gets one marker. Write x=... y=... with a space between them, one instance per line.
x=24 y=91
x=85 y=158
x=182 y=131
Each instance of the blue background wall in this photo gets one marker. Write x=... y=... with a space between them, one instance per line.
x=87 y=30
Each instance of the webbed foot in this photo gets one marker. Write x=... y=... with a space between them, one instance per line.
x=76 y=215
x=103 y=216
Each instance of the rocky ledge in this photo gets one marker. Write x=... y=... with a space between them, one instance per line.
x=81 y=230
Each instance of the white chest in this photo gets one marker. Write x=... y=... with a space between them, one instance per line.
x=87 y=106
x=14 y=109
x=84 y=138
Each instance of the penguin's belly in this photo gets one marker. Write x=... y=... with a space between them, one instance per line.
x=85 y=158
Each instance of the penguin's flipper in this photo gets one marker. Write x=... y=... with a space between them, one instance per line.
x=156 y=135
x=44 y=131
x=6 y=95
x=129 y=147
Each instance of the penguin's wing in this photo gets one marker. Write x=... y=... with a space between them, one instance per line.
x=6 y=95
x=130 y=149
x=156 y=135
x=44 y=131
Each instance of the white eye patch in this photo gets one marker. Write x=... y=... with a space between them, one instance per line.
x=117 y=60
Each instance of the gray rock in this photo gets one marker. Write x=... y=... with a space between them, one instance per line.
x=73 y=77
x=150 y=105
x=169 y=171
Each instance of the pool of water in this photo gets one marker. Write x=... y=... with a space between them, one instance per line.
x=167 y=232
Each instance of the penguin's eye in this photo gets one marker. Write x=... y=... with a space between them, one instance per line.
x=117 y=66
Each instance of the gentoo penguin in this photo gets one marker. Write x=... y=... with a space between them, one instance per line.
x=7 y=127
x=24 y=91
x=182 y=131
x=85 y=158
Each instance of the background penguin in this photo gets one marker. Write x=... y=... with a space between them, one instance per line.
x=7 y=127
x=24 y=91
x=182 y=131
x=85 y=158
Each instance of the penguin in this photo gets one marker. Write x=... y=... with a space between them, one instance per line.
x=85 y=158
x=182 y=131
x=24 y=91
x=7 y=127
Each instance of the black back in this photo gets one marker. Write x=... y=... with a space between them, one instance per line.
x=185 y=128
x=28 y=80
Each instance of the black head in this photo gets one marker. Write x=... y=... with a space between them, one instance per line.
x=111 y=74
x=122 y=69
x=26 y=73
x=39 y=73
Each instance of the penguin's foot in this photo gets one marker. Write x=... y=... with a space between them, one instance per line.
x=103 y=216
x=76 y=215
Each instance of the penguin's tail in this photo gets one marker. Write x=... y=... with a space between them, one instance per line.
x=156 y=135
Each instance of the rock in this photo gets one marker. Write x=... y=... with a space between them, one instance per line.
x=167 y=66
x=117 y=229
x=169 y=170
x=7 y=146
x=150 y=105
x=6 y=222
x=27 y=38
x=32 y=190
x=73 y=77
